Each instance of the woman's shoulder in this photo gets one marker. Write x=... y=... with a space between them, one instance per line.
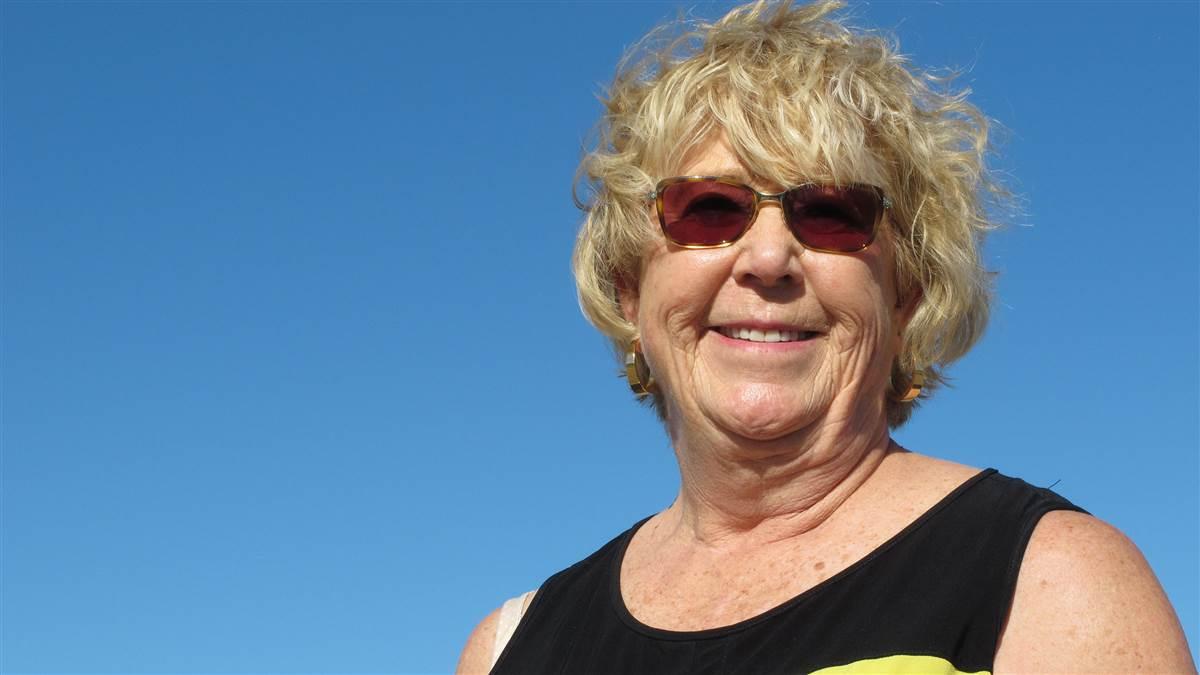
x=922 y=479
x=492 y=634
x=477 y=654
x=929 y=472
x=915 y=483
x=1086 y=600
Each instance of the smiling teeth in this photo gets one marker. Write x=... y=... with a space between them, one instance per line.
x=755 y=335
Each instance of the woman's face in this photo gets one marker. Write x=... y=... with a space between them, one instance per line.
x=692 y=308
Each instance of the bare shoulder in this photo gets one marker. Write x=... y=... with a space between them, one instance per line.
x=481 y=645
x=1087 y=601
x=477 y=655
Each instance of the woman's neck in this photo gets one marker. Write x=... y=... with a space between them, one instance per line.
x=735 y=492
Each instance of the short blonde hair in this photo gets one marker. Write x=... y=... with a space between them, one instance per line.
x=799 y=97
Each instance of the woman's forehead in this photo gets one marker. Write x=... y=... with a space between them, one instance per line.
x=715 y=155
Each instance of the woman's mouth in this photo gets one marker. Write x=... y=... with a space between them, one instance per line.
x=770 y=335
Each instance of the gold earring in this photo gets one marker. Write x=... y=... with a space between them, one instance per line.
x=914 y=388
x=637 y=372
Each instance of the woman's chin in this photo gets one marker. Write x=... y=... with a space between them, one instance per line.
x=763 y=412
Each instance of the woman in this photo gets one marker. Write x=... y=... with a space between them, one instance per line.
x=784 y=240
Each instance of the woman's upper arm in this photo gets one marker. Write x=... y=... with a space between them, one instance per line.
x=1086 y=601
x=477 y=655
x=482 y=646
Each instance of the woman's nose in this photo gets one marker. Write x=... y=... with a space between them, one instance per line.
x=769 y=254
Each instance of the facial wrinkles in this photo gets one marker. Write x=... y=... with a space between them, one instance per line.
x=842 y=390
x=683 y=325
x=851 y=420
x=832 y=431
x=850 y=341
x=865 y=349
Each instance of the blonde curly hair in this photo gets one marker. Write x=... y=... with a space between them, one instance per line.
x=799 y=97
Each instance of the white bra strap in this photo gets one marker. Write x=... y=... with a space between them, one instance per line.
x=510 y=615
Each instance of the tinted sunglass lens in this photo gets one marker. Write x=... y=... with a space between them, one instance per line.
x=831 y=218
x=705 y=213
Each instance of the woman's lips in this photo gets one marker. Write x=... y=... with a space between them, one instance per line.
x=763 y=338
x=765 y=335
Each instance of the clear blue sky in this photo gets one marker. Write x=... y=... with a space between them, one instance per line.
x=294 y=379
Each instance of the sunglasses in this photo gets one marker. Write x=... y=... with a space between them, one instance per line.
x=711 y=211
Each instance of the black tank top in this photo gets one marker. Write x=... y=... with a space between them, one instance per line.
x=932 y=599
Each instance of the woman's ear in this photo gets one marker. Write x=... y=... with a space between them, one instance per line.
x=906 y=307
x=627 y=295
